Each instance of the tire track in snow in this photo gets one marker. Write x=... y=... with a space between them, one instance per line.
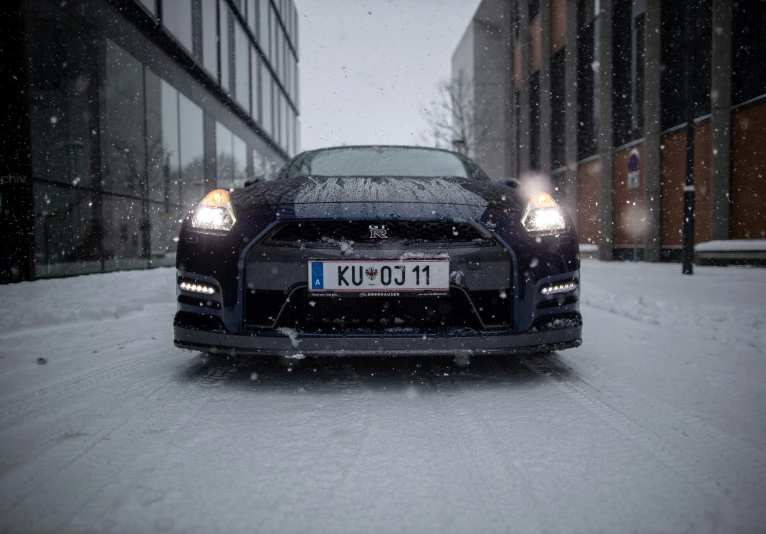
x=356 y=415
x=689 y=434
x=659 y=448
x=41 y=466
x=23 y=406
x=92 y=469
x=461 y=434
x=83 y=420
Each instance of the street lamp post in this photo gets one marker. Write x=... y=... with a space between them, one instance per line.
x=688 y=228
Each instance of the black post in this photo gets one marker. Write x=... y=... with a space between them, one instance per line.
x=688 y=229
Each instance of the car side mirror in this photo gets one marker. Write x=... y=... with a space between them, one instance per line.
x=254 y=180
x=510 y=182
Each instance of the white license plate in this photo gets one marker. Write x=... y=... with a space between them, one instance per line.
x=378 y=276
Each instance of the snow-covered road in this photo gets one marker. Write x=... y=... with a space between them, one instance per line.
x=657 y=423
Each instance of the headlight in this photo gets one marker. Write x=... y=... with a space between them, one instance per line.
x=214 y=213
x=542 y=216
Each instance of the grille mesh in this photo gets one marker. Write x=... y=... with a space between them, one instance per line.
x=322 y=233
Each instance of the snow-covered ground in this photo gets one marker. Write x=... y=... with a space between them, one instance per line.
x=657 y=423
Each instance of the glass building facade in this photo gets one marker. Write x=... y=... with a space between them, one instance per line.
x=127 y=112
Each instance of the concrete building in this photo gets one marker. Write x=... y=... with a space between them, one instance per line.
x=594 y=89
x=477 y=64
x=119 y=115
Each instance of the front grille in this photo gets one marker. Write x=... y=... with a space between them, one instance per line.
x=341 y=314
x=400 y=233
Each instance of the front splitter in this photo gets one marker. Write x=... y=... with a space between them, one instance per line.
x=381 y=345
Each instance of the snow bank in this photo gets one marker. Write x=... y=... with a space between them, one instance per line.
x=92 y=297
x=732 y=245
x=726 y=304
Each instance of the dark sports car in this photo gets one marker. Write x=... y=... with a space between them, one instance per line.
x=378 y=251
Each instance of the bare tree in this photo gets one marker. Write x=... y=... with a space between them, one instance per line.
x=454 y=121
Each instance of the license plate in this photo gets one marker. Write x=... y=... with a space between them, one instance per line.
x=378 y=277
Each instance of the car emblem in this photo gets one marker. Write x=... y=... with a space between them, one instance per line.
x=378 y=232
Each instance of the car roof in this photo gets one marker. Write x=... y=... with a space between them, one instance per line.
x=341 y=147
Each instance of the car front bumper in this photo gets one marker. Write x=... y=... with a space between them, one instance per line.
x=389 y=344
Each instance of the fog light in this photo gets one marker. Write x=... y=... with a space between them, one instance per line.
x=563 y=287
x=194 y=287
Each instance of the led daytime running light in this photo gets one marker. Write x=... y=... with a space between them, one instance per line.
x=197 y=288
x=554 y=289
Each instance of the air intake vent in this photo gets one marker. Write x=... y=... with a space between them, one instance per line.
x=400 y=233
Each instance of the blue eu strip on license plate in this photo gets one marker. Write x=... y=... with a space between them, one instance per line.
x=317 y=275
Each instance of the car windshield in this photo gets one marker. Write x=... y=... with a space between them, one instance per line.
x=383 y=161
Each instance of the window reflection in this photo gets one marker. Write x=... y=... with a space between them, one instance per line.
x=242 y=67
x=255 y=70
x=154 y=146
x=165 y=226
x=266 y=100
x=192 y=152
x=263 y=168
x=126 y=233
x=171 y=153
x=150 y=5
x=67 y=231
x=123 y=155
x=60 y=72
x=127 y=212
x=226 y=45
x=231 y=158
x=210 y=37
x=239 y=150
x=177 y=18
x=224 y=157
x=263 y=26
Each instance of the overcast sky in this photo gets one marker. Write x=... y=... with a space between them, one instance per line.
x=369 y=67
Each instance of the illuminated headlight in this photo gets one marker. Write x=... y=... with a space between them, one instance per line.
x=563 y=287
x=194 y=287
x=214 y=213
x=542 y=216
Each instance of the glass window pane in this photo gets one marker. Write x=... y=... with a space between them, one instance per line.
x=225 y=44
x=239 y=151
x=242 y=70
x=277 y=103
x=255 y=85
x=251 y=16
x=67 y=231
x=177 y=18
x=224 y=157
x=262 y=167
x=210 y=37
x=192 y=152
x=274 y=50
x=297 y=135
x=126 y=233
x=266 y=101
x=150 y=5
x=61 y=81
x=263 y=26
x=154 y=146
x=170 y=143
x=283 y=58
x=122 y=124
x=165 y=227
x=283 y=123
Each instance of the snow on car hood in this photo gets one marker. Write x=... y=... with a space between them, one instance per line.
x=385 y=189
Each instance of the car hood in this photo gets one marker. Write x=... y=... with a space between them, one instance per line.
x=375 y=190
